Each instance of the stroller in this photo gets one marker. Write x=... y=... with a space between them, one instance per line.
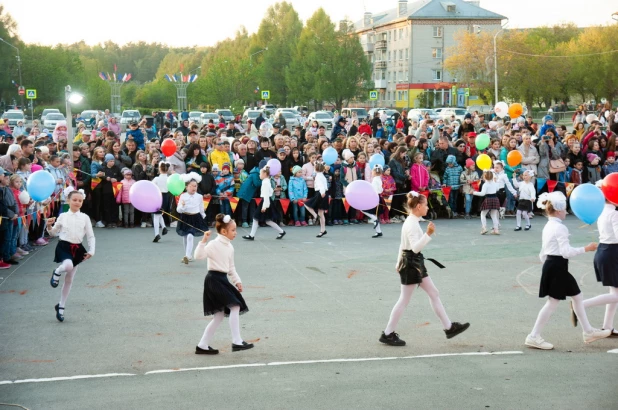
x=438 y=205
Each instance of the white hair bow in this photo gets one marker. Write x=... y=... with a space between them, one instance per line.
x=414 y=193
x=70 y=189
x=191 y=176
x=227 y=219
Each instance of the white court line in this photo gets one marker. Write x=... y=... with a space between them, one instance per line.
x=59 y=379
x=233 y=366
x=613 y=351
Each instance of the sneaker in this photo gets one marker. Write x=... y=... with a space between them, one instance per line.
x=538 y=343
x=392 y=339
x=346 y=222
x=303 y=223
x=99 y=225
x=353 y=221
x=22 y=251
x=4 y=265
x=573 y=315
x=143 y=225
x=245 y=225
x=310 y=222
x=467 y=216
x=596 y=334
x=17 y=257
x=456 y=328
x=292 y=223
x=297 y=223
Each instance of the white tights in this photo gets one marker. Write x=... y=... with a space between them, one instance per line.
x=157 y=222
x=550 y=307
x=494 y=218
x=518 y=217
x=212 y=327
x=187 y=242
x=404 y=298
x=319 y=215
x=270 y=223
x=611 y=301
x=70 y=270
x=372 y=218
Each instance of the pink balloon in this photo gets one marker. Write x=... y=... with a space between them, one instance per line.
x=145 y=196
x=36 y=167
x=361 y=195
x=275 y=166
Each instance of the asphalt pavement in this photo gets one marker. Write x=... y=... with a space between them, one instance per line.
x=317 y=308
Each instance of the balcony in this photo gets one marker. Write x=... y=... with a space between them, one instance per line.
x=367 y=47
x=380 y=84
x=380 y=65
x=381 y=45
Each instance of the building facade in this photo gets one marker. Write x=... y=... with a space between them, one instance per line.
x=407 y=47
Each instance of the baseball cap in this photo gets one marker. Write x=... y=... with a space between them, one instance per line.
x=281 y=150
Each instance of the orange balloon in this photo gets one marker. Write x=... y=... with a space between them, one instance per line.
x=515 y=110
x=514 y=158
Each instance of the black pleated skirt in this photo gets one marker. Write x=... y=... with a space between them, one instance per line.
x=606 y=264
x=166 y=203
x=556 y=281
x=524 y=205
x=317 y=202
x=412 y=268
x=220 y=295
x=270 y=214
x=67 y=250
x=192 y=224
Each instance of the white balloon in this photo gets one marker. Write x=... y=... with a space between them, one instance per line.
x=590 y=118
x=266 y=129
x=24 y=197
x=501 y=109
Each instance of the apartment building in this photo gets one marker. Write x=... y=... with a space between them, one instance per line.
x=407 y=46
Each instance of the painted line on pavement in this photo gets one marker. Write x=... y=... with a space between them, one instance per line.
x=613 y=351
x=60 y=379
x=190 y=369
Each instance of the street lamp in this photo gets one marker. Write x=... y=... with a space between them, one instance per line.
x=18 y=67
x=70 y=98
x=496 y=63
x=257 y=52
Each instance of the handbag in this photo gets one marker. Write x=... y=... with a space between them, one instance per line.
x=556 y=166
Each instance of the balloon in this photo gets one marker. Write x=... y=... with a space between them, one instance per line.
x=41 y=185
x=266 y=129
x=24 y=197
x=590 y=118
x=587 y=203
x=168 y=147
x=36 y=167
x=145 y=196
x=514 y=158
x=175 y=185
x=329 y=156
x=274 y=165
x=483 y=162
x=501 y=109
x=376 y=159
x=515 y=110
x=361 y=195
x=482 y=141
x=609 y=186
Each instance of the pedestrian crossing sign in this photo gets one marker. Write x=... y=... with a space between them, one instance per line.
x=31 y=94
x=373 y=95
x=265 y=95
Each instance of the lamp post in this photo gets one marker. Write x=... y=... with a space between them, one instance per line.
x=257 y=52
x=70 y=98
x=18 y=67
x=496 y=64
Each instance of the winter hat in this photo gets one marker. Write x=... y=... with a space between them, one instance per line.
x=262 y=164
x=240 y=161
x=468 y=116
x=386 y=167
x=469 y=162
x=226 y=165
x=296 y=169
x=610 y=155
x=451 y=159
x=108 y=157
x=591 y=157
x=426 y=163
x=215 y=167
x=547 y=118
x=347 y=154
x=126 y=171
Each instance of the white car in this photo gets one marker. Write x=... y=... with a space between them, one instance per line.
x=205 y=117
x=297 y=113
x=195 y=116
x=227 y=114
x=128 y=116
x=13 y=117
x=322 y=117
x=249 y=115
x=447 y=113
x=48 y=111
x=291 y=121
x=52 y=119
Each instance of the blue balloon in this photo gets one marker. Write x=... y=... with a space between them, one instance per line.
x=329 y=156
x=41 y=185
x=376 y=159
x=587 y=202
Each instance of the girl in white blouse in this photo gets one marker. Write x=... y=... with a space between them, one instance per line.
x=412 y=272
x=526 y=195
x=320 y=199
x=71 y=227
x=161 y=183
x=556 y=281
x=372 y=214
x=221 y=298
x=491 y=203
x=266 y=211
x=192 y=214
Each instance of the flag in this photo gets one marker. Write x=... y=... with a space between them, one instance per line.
x=425 y=194
x=258 y=201
x=29 y=219
x=102 y=76
x=206 y=203
x=540 y=183
x=301 y=202
x=109 y=77
x=94 y=182
x=257 y=90
x=551 y=185
x=167 y=77
x=446 y=190
x=388 y=201
x=115 y=68
x=569 y=188
x=115 y=76
x=285 y=203
x=174 y=78
x=476 y=185
x=233 y=203
x=117 y=187
x=346 y=205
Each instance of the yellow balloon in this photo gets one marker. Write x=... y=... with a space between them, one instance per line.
x=483 y=162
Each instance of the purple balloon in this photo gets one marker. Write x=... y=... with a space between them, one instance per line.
x=361 y=195
x=145 y=196
x=275 y=166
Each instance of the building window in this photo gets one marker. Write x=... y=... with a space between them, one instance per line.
x=388 y=95
x=383 y=75
x=389 y=56
x=389 y=36
x=437 y=31
x=436 y=53
x=401 y=54
x=388 y=76
x=400 y=33
x=406 y=53
x=437 y=75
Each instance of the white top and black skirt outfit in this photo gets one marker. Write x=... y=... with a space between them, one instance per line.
x=489 y=191
x=606 y=257
x=556 y=281
x=270 y=210
x=411 y=262
x=219 y=293
x=192 y=215
x=526 y=196
x=321 y=188
x=161 y=183
x=71 y=227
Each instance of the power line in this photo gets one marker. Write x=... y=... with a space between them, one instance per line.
x=549 y=56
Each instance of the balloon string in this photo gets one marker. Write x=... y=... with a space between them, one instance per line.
x=179 y=220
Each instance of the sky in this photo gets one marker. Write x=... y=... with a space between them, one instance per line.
x=205 y=22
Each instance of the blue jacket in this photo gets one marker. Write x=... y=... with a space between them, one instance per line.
x=225 y=184
x=451 y=176
x=297 y=188
x=337 y=130
x=251 y=184
x=138 y=137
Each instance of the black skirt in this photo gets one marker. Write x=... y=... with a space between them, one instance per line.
x=501 y=196
x=220 y=295
x=166 y=203
x=72 y=251
x=606 y=264
x=556 y=281
x=317 y=202
x=192 y=224
x=270 y=214
x=412 y=268
x=524 y=205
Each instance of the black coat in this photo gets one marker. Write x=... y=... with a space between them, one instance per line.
x=207 y=185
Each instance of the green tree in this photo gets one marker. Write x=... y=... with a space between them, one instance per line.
x=8 y=68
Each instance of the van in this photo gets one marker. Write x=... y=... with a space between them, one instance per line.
x=359 y=113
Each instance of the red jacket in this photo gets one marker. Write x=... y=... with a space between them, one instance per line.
x=365 y=129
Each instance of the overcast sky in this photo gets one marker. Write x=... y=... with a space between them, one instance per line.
x=205 y=22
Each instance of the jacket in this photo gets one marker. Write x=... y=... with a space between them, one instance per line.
x=397 y=172
x=207 y=185
x=530 y=157
x=466 y=178
x=137 y=136
x=57 y=173
x=349 y=173
x=308 y=172
x=297 y=188
x=419 y=176
x=250 y=186
x=124 y=192
x=224 y=185
x=281 y=183
x=388 y=186
x=451 y=176
x=507 y=168
x=8 y=199
x=219 y=158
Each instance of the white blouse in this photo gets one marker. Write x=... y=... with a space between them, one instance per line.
x=219 y=254
x=556 y=241
x=503 y=181
x=320 y=185
x=376 y=182
x=266 y=192
x=193 y=204
x=161 y=182
x=72 y=227
x=489 y=188
x=608 y=225
x=526 y=189
x=412 y=236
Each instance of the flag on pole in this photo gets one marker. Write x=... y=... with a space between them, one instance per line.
x=94 y=182
x=476 y=185
x=551 y=185
x=102 y=76
x=258 y=201
x=285 y=203
x=116 y=187
x=206 y=203
x=129 y=76
x=569 y=188
x=425 y=194
x=167 y=77
x=346 y=205
x=446 y=190
x=233 y=203
x=174 y=78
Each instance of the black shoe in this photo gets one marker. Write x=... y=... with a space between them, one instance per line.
x=456 y=328
x=11 y=262
x=164 y=231
x=59 y=316
x=377 y=235
x=157 y=238
x=281 y=235
x=527 y=228
x=210 y=350
x=518 y=229
x=321 y=234
x=248 y=237
x=54 y=282
x=392 y=339
x=243 y=346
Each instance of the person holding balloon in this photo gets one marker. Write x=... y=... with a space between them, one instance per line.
x=157 y=218
x=266 y=212
x=376 y=184
x=192 y=221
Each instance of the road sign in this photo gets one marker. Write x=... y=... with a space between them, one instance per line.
x=21 y=90
x=467 y=92
x=31 y=94
x=373 y=95
x=265 y=95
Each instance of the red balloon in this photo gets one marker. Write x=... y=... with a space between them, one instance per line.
x=610 y=188
x=168 y=147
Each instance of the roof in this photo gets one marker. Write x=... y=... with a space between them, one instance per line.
x=432 y=9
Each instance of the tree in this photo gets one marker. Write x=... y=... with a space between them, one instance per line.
x=8 y=32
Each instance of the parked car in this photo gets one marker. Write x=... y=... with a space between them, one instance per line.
x=360 y=112
x=322 y=117
x=52 y=119
x=482 y=109
x=291 y=120
x=48 y=111
x=301 y=109
x=205 y=117
x=86 y=115
x=249 y=114
x=298 y=115
x=227 y=114
x=447 y=113
x=129 y=116
x=271 y=107
x=195 y=116
x=13 y=117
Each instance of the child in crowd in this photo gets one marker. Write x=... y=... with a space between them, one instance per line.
x=467 y=178
x=128 y=211
x=451 y=178
x=350 y=173
x=279 y=189
x=527 y=196
x=376 y=183
x=157 y=218
x=419 y=175
x=336 y=195
x=112 y=175
x=9 y=209
x=225 y=188
x=320 y=198
x=265 y=211
x=434 y=176
x=611 y=165
x=593 y=168
x=490 y=204
x=577 y=172
x=192 y=216
x=206 y=188
x=309 y=176
x=297 y=190
x=18 y=225
x=389 y=187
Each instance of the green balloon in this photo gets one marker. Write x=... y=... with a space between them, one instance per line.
x=175 y=185
x=482 y=141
